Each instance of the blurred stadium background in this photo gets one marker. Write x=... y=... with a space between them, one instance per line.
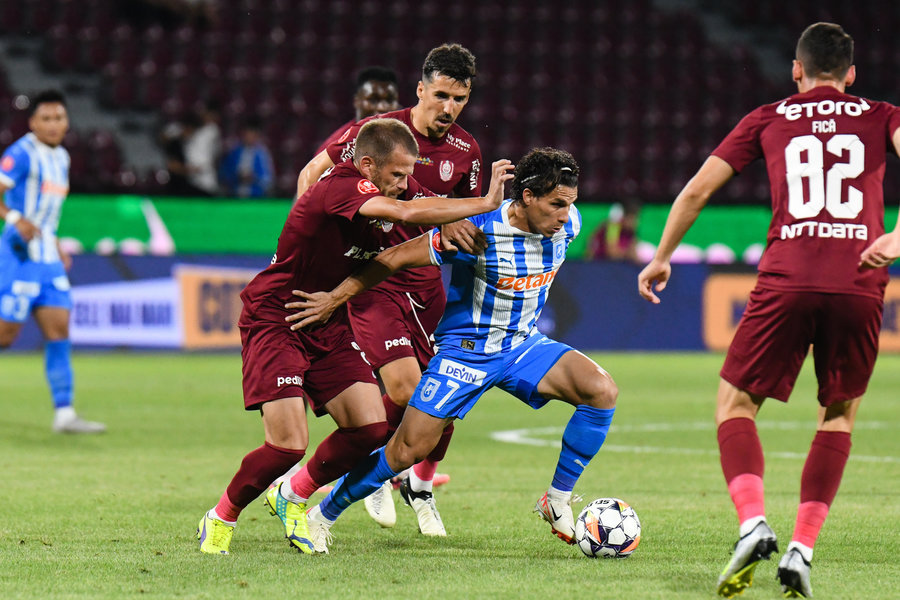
x=640 y=91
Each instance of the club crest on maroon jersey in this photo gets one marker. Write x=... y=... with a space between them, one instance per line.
x=366 y=187
x=446 y=170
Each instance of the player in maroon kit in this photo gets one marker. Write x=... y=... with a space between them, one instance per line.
x=376 y=93
x=820 y=283
x=337 y=225
x=393 y=323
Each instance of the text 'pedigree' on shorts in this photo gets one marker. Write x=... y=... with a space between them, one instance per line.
x=404 y=341
x=289 y=380
x=461 y=372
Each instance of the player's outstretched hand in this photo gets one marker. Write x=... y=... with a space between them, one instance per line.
x=657 y=272
x=501 y=172
x=314 y=309
x=882 y=252
x=463 y=235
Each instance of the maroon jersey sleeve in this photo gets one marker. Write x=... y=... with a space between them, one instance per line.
x=341 y=149
x=742 y=146
x=345 y=195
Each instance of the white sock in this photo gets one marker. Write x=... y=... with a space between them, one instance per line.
x=316 y=513
x=559 y=495
x=64 y=413
x=287 y=492
x=213 y=515
x=419 y=485
x=805 y=551
x=748 y=525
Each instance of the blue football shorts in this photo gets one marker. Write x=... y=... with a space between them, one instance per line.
x=456 y=379
x=27 y=285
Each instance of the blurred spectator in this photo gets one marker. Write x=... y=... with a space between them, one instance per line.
x=376 y=93
x=616 y=238
x=202 y=149
x=173 y=139
x=247 y=170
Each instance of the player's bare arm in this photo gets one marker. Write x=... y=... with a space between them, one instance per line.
x=438 y=210
x=26 y=228
x=317 y=307
x=687 y=206
x=886 y=249
x=312 y=172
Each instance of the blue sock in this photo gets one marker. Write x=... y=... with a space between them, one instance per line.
x=364 y=479
x=581 y=440
x=58 y=368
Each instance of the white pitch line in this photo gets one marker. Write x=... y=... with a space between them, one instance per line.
x=537 y=436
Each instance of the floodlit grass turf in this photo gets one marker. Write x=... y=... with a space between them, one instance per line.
x=114 y=516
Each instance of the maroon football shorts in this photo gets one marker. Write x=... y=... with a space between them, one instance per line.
x=391 y=324
x=280 y=363
x=777 y=330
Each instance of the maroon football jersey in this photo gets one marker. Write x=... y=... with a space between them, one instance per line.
x=449 y=166
x=323 y=241
x=825 y=154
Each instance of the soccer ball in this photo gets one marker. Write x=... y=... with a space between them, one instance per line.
x=607 y=527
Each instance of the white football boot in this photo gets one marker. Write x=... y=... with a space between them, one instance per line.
x=380 y=505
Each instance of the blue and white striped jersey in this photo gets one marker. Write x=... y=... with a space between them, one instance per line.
x=495 y=299
x=38 y=180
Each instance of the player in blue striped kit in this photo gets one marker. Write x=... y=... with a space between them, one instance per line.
x=34 y=182
x=488 y=338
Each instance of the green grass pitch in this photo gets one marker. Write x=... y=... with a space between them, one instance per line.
x=114 y=516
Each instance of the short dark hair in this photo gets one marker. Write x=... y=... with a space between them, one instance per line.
x=375 y=73
x=379 y=137
x=542 y=169
x=46 y=97
x=450 y=60
x=826 y=51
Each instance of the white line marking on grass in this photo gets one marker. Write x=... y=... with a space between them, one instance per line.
x=539 y=436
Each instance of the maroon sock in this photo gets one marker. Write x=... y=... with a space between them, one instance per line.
x=437 y=455
x=340 y=451
x=258 y=469
x=743 y=463
x=394 y=414
x=819 y=483
x=739 y=449
x=824 y=466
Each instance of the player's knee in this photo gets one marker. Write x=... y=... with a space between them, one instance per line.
x=402 y=455
x=401 y=392
x=7 y=338
x=286 y=439
x=600 y=392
